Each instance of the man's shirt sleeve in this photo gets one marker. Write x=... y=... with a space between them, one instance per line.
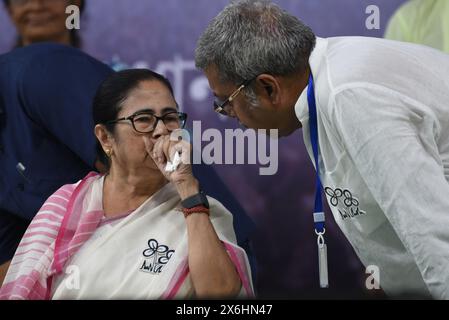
x=394 y=149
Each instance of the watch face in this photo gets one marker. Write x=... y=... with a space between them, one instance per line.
x=196 y=200
x=205 y=201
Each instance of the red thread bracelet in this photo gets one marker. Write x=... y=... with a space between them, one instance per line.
x=197 y=209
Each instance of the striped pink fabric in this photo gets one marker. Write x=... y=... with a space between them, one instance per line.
x=55 y=234
x=177 y=281
x=58 y=231
x=237 y=256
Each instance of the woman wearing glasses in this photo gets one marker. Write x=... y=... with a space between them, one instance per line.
x=139 y=231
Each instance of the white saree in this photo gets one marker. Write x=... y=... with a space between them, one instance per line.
x=141 y=256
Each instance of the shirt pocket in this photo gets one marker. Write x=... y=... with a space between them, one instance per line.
x=32 y=189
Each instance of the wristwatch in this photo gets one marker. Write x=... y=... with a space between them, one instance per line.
x=196 y=200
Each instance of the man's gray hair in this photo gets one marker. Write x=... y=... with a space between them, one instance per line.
x=250 y=37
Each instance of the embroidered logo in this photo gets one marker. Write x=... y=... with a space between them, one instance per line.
x=156 y=257
x=349 y=205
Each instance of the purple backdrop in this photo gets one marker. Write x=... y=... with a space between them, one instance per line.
x=161 y=35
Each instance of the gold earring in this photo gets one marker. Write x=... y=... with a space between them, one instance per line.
x=108 y=152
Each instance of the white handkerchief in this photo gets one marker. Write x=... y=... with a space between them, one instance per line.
x=170 y=167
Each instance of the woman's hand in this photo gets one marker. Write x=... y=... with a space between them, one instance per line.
x=164 y=150
x=212 y=271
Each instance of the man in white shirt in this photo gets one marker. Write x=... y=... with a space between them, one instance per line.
x=383 y=130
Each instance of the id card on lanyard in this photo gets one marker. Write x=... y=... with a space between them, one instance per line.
x=318 y=214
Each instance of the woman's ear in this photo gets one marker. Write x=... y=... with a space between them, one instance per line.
x=271 y=89
x=103 y=136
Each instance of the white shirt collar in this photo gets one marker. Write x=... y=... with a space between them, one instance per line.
x=315 y=61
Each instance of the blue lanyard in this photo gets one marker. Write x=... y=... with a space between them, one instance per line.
x=318 y=215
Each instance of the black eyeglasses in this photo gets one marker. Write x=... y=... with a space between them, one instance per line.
x=144 y=122
x=223 y=107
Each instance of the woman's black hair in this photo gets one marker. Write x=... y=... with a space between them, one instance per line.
x=75 y=40
x=111 y=94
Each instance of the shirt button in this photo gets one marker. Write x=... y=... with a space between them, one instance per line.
x=21 y=186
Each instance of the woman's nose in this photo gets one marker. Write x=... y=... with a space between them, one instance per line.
x=159 y=130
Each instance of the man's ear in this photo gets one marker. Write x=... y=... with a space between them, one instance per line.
x=271 y=89
x=103 y=136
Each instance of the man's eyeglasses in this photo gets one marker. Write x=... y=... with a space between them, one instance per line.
x=224 y=107
x=145 y=122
